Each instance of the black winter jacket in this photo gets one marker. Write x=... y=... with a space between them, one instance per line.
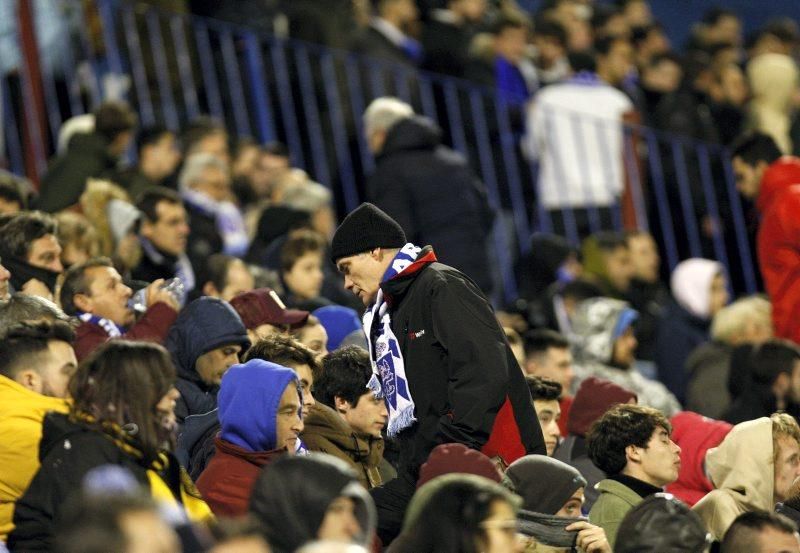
x=459 y=366
x=433 y=194
x=68 y=451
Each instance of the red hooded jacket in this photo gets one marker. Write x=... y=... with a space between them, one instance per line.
x=779 y=243
x=695 y=434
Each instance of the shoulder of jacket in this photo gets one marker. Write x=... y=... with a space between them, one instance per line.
x=612 y=491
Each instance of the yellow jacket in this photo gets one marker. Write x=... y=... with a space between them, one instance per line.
x=21 y=415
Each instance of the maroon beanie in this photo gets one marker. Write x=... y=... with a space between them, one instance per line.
x=594 y=397
x=456 y=458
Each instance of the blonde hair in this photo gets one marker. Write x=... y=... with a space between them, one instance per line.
x=733 y=319
x=784 y=425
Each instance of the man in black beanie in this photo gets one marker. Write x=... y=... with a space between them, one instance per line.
x=440 y=359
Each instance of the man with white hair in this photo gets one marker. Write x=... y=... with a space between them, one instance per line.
x=428 y=188
x=217 y=224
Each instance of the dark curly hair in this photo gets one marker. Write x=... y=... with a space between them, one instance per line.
x=621 y=426
x=542 y=389
x=345 y=373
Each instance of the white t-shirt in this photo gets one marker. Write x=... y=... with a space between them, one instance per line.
x=575 y=130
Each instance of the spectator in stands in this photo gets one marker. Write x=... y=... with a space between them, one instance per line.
x=646 y=292
x=163 y=234
x=730 y=93
x=699 y=291
x=243 y=170
x=206 y=135
x=752 y=469
x=122 y=386
x=609 y=20
x=545 y=394
x=767 y=178
x=22 y=308
x=550 y=487
x=238 y=535
x=550 y=40
x=761 y=532
x=342 y=326
x=460 y=512
x=505 y=67
x=30 y=250
x=774 y=383
x=550 y=260
x=605 y=347
x=94 y=154
x=301 y=270
x=649 y=41
x=36 y=362
x=632 y=445
x=217 y=224
x=662 y=523
x=745 y=321
x=125 y=522
x=114 y=217
x=777 y=37
x=228 y=277
x=428 y=188
x=11 y=198
x=447 y=34
x=306 y=498
x=77 y=237
x=717 y=25
x=348 y=418
x=264 y=314
x=288 y=352
x=547 y=355
x=607 y=262
x=773 y=80
x=157 y=158
x=313 y=336
x=555 y=140
x=594 y=397
x=316 y=200
x=660 y=77
x=695 y=435
x=372 y=253
x=94 y=292
x=204 y=342
x=260 y=417
x=387 y=36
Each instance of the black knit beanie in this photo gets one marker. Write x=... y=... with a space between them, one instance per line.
x=366 y=228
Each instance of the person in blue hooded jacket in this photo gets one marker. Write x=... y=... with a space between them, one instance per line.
x=260 y=406
x=205 y=341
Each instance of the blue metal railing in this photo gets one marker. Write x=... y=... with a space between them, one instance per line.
x=312 y=98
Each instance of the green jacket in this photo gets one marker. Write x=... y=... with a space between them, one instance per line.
x=612 y=505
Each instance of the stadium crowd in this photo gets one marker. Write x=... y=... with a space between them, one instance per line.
x=197 y=355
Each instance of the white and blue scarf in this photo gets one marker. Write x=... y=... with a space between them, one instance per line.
x=227 y=218
x=388 y=370
x=111 y=328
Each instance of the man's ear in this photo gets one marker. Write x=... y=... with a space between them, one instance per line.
x=30 y=379
x=83 y=302
x=145 y=227
x=342 y=406
x=377 y=254
x=633 y=453
x=781 y=384
x=210 y=290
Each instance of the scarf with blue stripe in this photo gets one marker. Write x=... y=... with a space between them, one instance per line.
x=388 y=370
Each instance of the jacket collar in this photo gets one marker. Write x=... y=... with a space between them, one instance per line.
x=324 y=421
x=395 y=289
x=257 y=458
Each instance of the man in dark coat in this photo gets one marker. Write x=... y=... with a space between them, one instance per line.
x=428 y=188
x=88 y=155
x=439 y=356
x=204 y=342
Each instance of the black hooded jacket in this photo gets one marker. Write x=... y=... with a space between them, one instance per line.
x=203 y=325
x=430 y=190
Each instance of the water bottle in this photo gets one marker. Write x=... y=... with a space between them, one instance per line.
x=174 y=286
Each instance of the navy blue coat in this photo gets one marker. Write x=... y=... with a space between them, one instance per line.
x=679 y=333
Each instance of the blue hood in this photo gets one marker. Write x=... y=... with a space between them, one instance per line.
x=339 y=323
x=203 y=325
x=248 y=403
